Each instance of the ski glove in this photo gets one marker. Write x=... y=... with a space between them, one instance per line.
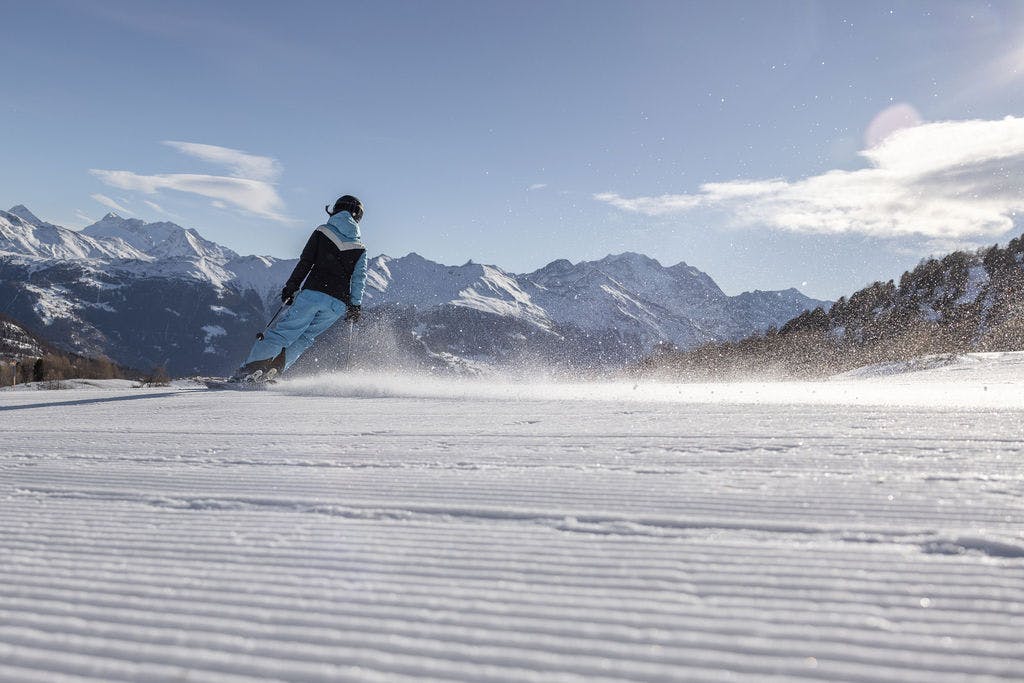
x=352 y=314
x=287 y=295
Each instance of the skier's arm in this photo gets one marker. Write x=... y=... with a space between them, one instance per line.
x=358 y=283
x=302 y=268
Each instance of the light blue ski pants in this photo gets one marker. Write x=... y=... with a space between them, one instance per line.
x=311 y=313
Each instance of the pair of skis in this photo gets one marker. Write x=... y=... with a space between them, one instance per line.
x=257 y=381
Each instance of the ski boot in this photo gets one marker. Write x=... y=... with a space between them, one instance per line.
x=260 y=370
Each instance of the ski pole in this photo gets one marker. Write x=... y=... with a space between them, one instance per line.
x=259 y=335
x=348 y=355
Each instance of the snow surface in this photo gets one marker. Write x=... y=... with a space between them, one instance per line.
x=977 y=279
x=53 y=303
x=373 y=528
x=76 y=384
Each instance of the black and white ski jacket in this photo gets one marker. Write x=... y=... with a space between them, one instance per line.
x=333 y=261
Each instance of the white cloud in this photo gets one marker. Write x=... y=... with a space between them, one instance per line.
x=890 y=120
x=1004 y=71
x=947 y=180
x=111 y=204
x=252 y=196
x=161 y=210
x=536 y=186
x=652 y=206
x=250 y=187
x=241 y=164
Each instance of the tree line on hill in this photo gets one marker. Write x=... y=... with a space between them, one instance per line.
x=57 y=366
x=963 y=302
x=25 y=357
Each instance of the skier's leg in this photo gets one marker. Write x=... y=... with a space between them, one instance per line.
x=288 y=328
x=331 y=309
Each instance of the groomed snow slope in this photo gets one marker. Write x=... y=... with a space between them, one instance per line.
x=372 y=529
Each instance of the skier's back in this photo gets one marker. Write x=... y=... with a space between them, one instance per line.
x=327 y=282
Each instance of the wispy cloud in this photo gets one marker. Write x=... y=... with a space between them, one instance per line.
x=161 y=210
x=536 y=186
x=948 y=180
x=252 y=196
x=242 y=164
x=111 y=204
x=249 y=187
x=653 y=206
x=1005 y=70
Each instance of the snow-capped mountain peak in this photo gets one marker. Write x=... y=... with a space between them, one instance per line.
x=22 y=212
x=630 y=259
x=422 y=283
x=162 y=240
x=24 y=235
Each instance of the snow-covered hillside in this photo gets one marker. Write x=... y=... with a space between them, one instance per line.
x=389 y=529
x=16 y=342
x=996 y=370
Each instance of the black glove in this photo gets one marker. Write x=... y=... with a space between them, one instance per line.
x=287 y=295
x=352 y=314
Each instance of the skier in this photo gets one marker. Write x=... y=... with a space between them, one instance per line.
x=333 y=265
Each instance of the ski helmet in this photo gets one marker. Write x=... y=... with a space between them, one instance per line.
x=347 y=203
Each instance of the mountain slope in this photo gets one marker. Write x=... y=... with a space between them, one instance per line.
x=963 y=302
x=16 y=342
x=26 y=357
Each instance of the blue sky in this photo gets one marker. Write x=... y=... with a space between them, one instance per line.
x=820 y=145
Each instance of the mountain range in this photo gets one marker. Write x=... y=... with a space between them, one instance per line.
x=158 y=294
